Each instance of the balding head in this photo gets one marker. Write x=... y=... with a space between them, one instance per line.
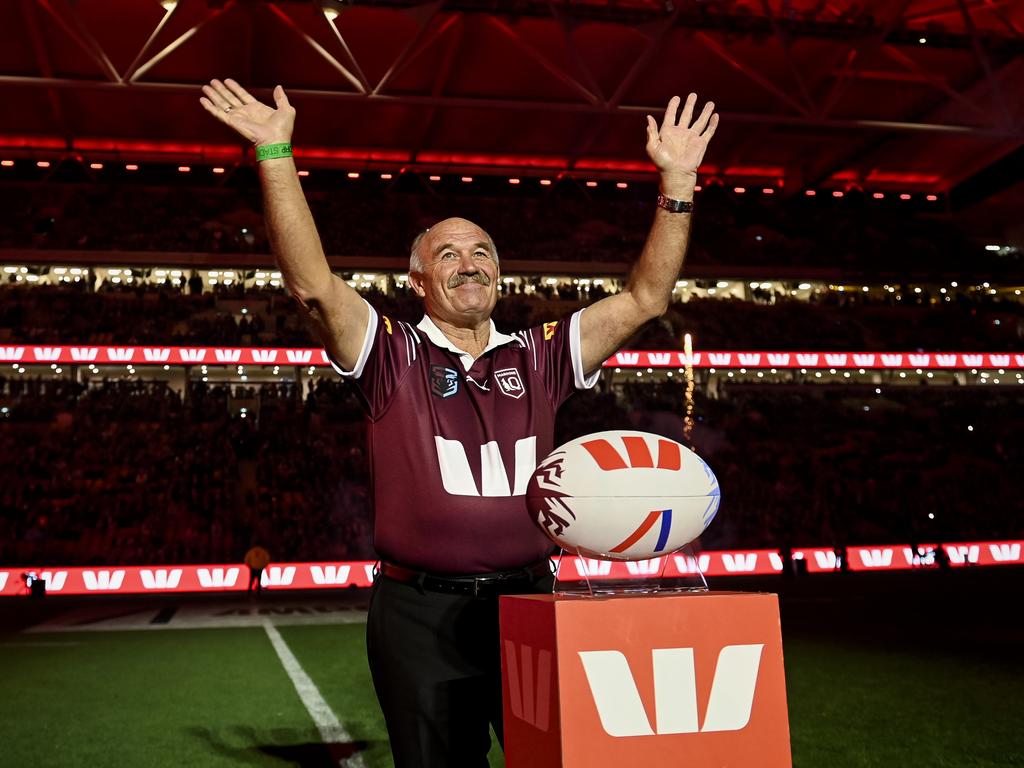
x=416 y=258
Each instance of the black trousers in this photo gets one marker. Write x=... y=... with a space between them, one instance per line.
x=436 y=665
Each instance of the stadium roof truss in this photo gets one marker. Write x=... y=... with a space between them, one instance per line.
x=911 y=94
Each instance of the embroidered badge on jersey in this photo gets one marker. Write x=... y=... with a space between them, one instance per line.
x=549 y=330
x=510 y=382
x=444 y=382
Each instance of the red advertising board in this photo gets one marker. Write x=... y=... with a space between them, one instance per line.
x=227 y=577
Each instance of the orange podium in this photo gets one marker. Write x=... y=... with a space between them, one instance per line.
x=690 y=679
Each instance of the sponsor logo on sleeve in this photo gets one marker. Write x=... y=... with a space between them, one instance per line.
x=444 y=382
x=549 y=330
x=387 y=323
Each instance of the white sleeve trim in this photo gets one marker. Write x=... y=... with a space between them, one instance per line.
x=576 y=352
x=371 y=333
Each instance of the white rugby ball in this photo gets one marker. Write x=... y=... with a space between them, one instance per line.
x=623 y=495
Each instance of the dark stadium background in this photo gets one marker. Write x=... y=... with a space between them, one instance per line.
x=863 y=195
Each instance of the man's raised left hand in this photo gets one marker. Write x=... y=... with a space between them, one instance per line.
x=677 y=147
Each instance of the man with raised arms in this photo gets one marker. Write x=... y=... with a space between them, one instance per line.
x=458 y=416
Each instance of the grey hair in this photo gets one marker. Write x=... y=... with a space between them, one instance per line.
x=416 y=263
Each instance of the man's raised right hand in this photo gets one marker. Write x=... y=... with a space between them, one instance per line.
x=233 y=105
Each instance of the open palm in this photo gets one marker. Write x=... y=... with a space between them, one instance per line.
x=678 y=147
x=234 y=106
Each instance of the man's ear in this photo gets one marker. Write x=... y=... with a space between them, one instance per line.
x=416 y=281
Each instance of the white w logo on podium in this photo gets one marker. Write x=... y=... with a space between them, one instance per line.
x=675 y=691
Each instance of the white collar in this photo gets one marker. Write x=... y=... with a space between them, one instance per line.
x=495 y=339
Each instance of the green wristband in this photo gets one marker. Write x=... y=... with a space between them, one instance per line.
x=270 y=151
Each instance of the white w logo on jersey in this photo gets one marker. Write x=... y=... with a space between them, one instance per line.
x=457 y=477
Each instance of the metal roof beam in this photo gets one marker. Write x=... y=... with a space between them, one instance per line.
x=723 y=53
x=39 y=48
x=986 y=66
x=174 y=45
x=970 y=131
x=130 y=72
x=419 y=43
x=551 y=67
x=81 y=36
x=357 y=83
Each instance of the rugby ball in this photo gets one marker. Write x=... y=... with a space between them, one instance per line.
x=623 y=495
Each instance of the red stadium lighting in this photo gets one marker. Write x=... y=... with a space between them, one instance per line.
x=621 y=185
x=467 y=179
x=131 y=167
x=218 y=169
x=931 y=198
x=878 y=195
x=43 y=164
x=545 y=182
x=303 y=173
x=386 y=176
x=591 y=183
x=810 y=193
x=435 y=178
x=184 y=169
x=96 y=166
x=7 y=163
x=768 y=191
x=904 y=196
x=513 y=181
x=697 y=188
x=739 y=190
x=353 y=174
x=837 y=193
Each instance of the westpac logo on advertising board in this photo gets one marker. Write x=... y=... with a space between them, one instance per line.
x=621 y=708
x=160 y=578
x=277 y=576
x=217 y=578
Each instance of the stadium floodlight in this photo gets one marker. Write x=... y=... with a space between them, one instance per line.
x=331 y=8
x=168 y=5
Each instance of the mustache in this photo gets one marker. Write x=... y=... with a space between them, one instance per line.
x=477 y=277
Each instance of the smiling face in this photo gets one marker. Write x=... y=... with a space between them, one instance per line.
x=455 y=272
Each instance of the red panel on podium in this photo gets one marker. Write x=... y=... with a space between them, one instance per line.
x=669 y=679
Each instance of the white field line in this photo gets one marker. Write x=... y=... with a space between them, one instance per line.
x=327 y=723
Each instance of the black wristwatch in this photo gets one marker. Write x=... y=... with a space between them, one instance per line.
x=675 y=206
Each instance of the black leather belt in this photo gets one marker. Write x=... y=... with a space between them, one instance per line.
x=471 y=584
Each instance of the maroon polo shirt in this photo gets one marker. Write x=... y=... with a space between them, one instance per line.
x=454 y=441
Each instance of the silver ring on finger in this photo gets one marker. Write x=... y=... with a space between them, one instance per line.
x=227 y=109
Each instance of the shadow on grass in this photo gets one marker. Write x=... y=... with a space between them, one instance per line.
x=247 y=745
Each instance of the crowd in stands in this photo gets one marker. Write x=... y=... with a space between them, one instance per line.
x=831 y=466
x=134 y=472
x=150 y=314
x=565 y=223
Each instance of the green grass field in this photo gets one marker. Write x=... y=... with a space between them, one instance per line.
x=220 y=697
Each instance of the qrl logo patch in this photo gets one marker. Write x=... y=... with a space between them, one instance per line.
x=510 y=382
x=444 y=382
